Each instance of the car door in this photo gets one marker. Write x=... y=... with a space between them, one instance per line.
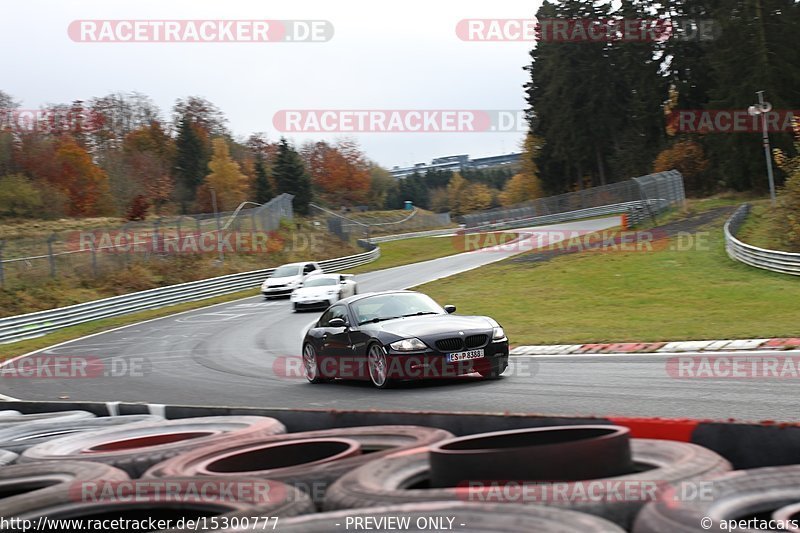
x=335 y=352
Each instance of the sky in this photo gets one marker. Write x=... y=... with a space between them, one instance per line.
x=383 y=55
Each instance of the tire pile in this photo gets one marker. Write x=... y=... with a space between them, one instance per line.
x=74 y=465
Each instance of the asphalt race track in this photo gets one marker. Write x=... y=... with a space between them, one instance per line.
x=244 y=353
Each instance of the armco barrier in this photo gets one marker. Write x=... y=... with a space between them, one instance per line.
x=637 y=212
x=774 y=260
x=32 y=325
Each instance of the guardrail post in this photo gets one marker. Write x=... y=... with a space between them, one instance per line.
x=50 y=257
x=2 y=273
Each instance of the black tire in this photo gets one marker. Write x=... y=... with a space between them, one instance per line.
x=136 y=447
x=21 y=437
x=382 y=481
x=168 y=498
x=378 y=441
x=376 y=354
x=30 y=486
x=476 y=518
x=744 y=493
x=496 y=368
x=60 y=416
x=311 y=365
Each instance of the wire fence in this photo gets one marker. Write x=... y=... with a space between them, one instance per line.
x=656 y=192
x=92 y=251
x=368 y=225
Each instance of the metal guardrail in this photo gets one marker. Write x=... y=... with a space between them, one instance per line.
x=774 y=260
x=637 y=212
x=414 y=234
x=36 y=324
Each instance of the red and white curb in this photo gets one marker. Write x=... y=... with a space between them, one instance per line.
x=782 y=343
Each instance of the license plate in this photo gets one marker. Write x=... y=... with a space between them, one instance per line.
x=464 y=356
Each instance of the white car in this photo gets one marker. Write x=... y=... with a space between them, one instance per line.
x=324 y=290
x=287 y=278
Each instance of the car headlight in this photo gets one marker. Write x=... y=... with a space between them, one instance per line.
x=408 y=345
x=498 y=334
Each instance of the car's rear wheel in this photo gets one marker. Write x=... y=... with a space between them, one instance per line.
x=311 y=364
x=378 y=367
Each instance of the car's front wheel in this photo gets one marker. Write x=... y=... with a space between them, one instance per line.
x=311 y=365
x=378 y=365
x=495 y=368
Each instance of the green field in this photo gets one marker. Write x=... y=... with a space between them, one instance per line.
x=406 y=251
x=633 y=296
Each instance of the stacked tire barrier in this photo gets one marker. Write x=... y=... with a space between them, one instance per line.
x=191 y=474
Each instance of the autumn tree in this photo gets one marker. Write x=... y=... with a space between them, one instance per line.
x=789 y=195
x=19 y=197
x=687 y=157
x=456 y=191
x=339 y=173
x=84 y=183
x=291 y=176
x=477 y=197
x=226 y=178
x=381 y=184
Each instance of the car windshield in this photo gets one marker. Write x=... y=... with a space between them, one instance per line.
x=319 y=282
x=397 y=305
x=285 y=271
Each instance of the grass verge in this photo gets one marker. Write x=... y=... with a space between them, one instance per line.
x=664 y=295
x=406 y=251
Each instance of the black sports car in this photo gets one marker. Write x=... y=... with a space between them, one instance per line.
x=401 y=335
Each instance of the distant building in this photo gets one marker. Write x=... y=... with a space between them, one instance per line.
x=456 y=163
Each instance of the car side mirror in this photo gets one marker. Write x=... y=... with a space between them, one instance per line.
x=450 y=309
x=337 y=323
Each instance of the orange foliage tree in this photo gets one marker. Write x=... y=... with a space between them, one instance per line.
x=84 y=183
x=339 y=173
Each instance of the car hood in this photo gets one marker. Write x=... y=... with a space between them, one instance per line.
x=433 y=325
x=315 y=291
x=280 y=281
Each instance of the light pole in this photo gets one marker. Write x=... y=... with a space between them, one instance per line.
x=762 y=108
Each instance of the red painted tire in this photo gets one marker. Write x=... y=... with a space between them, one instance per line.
x=137 y=447
x=313 y=478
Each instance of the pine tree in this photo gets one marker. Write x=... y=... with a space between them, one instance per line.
x=262 y=188
x=191 y=162
x=291 y=176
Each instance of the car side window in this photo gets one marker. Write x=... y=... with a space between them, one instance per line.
x=337 y=311
x=308 y=268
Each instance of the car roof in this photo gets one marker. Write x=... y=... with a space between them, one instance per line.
x=299 y=263
x=357 y=297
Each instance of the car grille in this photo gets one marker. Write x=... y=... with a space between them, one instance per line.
x=475 y=341
x=276 y=286
x=449 y=345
